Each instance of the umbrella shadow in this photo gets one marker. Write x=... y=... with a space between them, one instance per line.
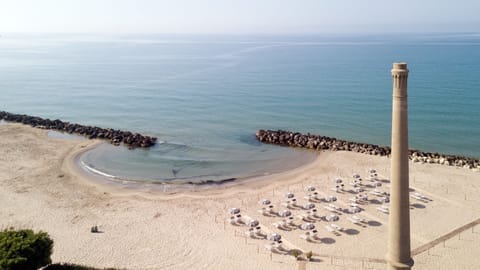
x=418 y=205
x=374 y=223
x=375 y=201
x=328 y=240
x=351 y=231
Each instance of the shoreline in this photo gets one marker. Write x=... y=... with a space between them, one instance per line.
x=175 y=185
x=89 y=174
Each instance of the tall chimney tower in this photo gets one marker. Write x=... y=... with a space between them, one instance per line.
x=398 y=256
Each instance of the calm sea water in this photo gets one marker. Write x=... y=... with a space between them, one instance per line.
x=204 y=97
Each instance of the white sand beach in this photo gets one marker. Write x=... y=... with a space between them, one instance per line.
x=42 y=188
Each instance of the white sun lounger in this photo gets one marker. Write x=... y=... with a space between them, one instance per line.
x=360 y=219
x=354 y=221
x=337 y=208
x=336 y=227
x=383 y=209
x=419 y=196
x=329 y=228
x=331 y=209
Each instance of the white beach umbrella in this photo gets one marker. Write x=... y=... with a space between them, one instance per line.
x=356 y=176
x=310 y=188
x=289 y=195
x=354 y=209
x=332 y=217
x=338 y=180
x=309 y=206
x=265 y=201
x=307 y=226
x=285 y=213
x=331 y=198
x=234 y=210
x=253 y=223
x=372 y=171
x=275 y=237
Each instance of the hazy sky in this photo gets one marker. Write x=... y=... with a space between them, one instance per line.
x=239 y=16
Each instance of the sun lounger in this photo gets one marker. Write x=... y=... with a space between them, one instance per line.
x=378 y=193
x=274 y=249
x=337 y=208
x=360 y=219
x=419 y=196
x=236 y=220
x=383 y=209
x=331 y=209
x=354 y=221
x=336 y=227
x=332 y=230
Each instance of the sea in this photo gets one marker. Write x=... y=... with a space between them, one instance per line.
x=205 y=96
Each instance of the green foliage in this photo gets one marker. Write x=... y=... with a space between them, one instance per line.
x=309 y=255
x=24 y=249
x=295 y=253
x=69 y=266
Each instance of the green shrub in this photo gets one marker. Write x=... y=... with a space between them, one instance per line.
x=309 y=255
x=70 y=266
x=24 y=249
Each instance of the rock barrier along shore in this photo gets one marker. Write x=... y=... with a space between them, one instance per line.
x=317 y=142
x=115 y=137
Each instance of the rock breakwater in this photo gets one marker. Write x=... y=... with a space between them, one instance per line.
x=317 y=142
x=115 y=137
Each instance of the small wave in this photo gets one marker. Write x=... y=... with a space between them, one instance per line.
x=93 y=170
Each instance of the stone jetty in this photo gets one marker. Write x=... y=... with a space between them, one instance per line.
x=317 y=142
x=115 y=137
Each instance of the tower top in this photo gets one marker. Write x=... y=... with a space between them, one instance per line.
x=400 y=66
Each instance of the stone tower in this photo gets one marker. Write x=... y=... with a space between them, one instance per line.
x=398 y=256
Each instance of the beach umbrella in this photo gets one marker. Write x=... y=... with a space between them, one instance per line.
x=289 y=195
x=234 y=211
x=332 y=217
x=309 y=206
x=338 y=180
x=274 y=237
x=285 y=213
x=266 y=201
x=356 y=176
x=307 y=226
x=310 y=188
x=372 y=171
x=331 y=198
x=253 y=223
x=354 y=210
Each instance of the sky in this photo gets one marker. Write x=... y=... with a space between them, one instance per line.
x=239 y=16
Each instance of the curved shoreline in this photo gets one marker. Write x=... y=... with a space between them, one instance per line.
x=74 y=164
